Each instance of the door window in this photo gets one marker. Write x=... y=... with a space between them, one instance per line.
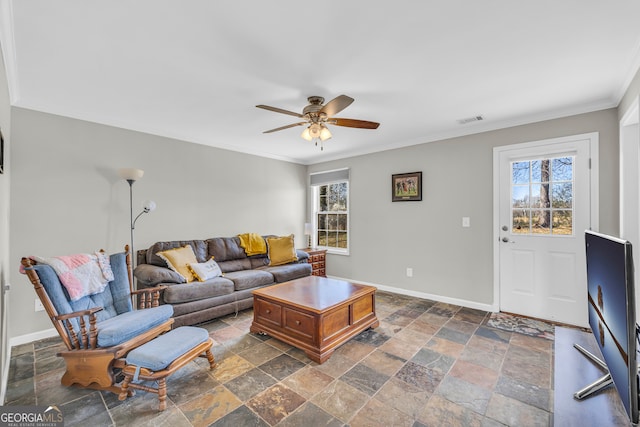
x=542 y=196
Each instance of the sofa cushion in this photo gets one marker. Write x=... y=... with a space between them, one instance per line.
x=215 y=287
x=125 y=326
x=207 y=303
x=235 y=265
x=281 y=250
x=284 y=273
x=225 y=248
x=205 y=270
x=246 y=279
x=199 y=249
x=178 y=260
x=257 y=262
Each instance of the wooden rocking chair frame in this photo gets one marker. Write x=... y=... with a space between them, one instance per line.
x=87 y=365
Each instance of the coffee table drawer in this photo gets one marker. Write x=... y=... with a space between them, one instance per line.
x=363 y=308
x=268 y=312
x=300 y=324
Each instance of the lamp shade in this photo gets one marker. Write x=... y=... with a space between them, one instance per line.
x=314 y=130
x=149 y=206
x=130 y=174
x=306 y=134
x=308 y=229
x=325 y=133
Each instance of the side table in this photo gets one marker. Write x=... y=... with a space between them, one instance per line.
x=318 y=261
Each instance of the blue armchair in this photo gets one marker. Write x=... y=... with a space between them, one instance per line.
x=99 y=330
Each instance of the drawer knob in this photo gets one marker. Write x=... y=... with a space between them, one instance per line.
x=298 y=322
x=268 y=311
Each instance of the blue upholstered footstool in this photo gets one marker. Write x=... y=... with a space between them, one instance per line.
x=162 y=356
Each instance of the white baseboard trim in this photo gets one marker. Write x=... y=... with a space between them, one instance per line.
x=35 y=336
x=439 y=298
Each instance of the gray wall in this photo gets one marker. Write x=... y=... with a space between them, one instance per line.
x=66 y=196
x=448 y=260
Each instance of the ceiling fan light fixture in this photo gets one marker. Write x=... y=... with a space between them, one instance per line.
x=325 y=133
x=314 y=130
x=306 y=134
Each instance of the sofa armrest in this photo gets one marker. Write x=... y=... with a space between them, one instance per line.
x=151 y=275
x=302 y=255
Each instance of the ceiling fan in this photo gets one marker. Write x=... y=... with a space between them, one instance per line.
x=317 y=116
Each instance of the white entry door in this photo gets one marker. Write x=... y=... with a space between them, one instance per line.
x=545 y=193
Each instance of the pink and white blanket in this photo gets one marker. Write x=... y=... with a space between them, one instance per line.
x=81 y=274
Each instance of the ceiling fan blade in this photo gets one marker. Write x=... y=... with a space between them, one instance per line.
x=279 y=110
x=336 y=105
x=285 y=127
x=352 y=123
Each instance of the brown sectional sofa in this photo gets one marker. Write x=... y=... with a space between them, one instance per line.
x=198 y=302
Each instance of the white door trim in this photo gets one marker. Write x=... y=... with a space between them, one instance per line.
x=630 y=183
x=594 y=193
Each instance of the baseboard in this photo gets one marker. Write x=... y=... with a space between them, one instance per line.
x=438 y=298
x=35 y=336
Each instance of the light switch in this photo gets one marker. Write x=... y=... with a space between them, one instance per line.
x=466 y=221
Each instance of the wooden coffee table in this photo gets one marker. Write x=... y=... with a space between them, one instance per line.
x=314 y=314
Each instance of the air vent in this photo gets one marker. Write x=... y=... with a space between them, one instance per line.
x=470 y=120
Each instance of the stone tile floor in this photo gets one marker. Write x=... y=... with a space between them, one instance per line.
x=427 y=364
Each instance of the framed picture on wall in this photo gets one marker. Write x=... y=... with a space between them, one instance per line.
x=406 y=187
x=1 y=152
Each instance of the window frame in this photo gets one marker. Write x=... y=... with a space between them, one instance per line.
x=315 y=211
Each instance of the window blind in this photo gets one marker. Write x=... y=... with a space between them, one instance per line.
x=321 y=178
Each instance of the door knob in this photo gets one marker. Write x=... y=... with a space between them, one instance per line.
x=505 y=239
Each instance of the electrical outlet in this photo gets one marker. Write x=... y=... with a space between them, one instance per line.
x=38 y=305
x=466 y=221
x=409 y=272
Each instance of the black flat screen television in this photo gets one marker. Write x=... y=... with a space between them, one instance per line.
x=612 y=314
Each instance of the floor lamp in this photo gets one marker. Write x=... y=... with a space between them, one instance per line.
x=132 y=175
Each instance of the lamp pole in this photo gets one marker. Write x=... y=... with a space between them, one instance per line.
x=133 y=257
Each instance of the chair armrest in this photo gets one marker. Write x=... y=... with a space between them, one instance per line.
x=149 y=297
x=86 y=339
x=78 y=314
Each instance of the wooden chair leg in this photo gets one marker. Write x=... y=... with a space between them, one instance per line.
x=124 y=388
x=212 y=362
x=162 y=393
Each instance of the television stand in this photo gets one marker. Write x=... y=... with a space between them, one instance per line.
x=598 y=384
x=571 y=372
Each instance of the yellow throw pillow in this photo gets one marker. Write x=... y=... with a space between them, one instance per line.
x=281 y=250
x=178 y=260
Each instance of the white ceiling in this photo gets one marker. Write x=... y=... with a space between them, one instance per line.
x=195 y=69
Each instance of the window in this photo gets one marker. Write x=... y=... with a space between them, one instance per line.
x=331 y=210
x=542 y=196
